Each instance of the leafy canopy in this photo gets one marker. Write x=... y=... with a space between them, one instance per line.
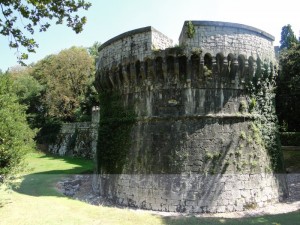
x=19 y=19
x=66 y=78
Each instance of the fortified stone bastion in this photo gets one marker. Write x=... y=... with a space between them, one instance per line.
x=194 y=145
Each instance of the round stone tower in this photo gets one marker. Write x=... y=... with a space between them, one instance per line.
x=195 y=143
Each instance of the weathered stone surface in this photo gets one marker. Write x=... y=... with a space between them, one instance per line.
x=192 y=145
x=78 y=139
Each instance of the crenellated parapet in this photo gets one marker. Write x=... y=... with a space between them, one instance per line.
x=217 y=54
x=172 y=68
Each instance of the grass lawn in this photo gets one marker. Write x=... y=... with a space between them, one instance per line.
x=36 y=202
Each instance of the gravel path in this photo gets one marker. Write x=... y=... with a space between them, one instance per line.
x=80 y=187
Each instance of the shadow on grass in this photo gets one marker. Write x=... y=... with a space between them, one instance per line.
x=48 y=170
x=280 y=219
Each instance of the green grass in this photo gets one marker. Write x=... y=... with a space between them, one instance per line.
x=37 y=202
x=44 y=171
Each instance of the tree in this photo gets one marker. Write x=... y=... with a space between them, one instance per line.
x=288 y=92
x=35 y=15
x=288 y=37
x=93 y=50
x=29 y=92
x=65 y=77
x=16 y=138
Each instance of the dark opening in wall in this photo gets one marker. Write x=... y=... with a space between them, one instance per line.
x=230 y=59
x=208 y=61
x=258 y=71
x=170 y=65
x=241 y=68
x=138 y=71
x=251 y=67
x=146 y=68
x=220 y=60
x=195 y=59
x=182 y=67
x=158 y=68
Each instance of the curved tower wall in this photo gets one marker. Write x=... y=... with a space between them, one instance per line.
x=131 y=46
x=192 y=146
x=237 y=39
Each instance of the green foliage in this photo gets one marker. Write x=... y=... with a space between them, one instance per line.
x=29 y=91
x=35 y=16
x=288 y=92
x=243 y=135
x=190 y=29
x=265 y=128
x=90 y=99
x=114 y=133
x=252 y=104
x=49 y=129
x=290 y=138
x=93 y=50
x=207 y=72
x=243 y=107
x=177 y=49
x=66 y=78
x=288 y=38
x=16 y=138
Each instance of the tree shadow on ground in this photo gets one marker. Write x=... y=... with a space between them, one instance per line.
x=51 y=169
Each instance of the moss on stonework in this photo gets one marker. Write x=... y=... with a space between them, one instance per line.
x=114 y=133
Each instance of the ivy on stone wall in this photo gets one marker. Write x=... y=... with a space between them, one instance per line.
x=190 y=29
x=114 y=133
x=262 y=104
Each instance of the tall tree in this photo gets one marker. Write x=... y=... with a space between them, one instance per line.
x=65 y=77
x=35 y=15
x=288 y=38
x=288 y=92
x=16 y=138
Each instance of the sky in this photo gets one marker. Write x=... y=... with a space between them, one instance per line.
x=109 y=18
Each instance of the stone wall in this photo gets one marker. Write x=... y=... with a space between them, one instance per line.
x=195 y=146
x=77 y=139
x=136 y=44
x=215 y=37
x=192 y=193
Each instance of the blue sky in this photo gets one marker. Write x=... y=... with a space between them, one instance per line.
x=108 y=18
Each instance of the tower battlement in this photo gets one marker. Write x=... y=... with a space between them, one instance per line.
x=218 y=53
